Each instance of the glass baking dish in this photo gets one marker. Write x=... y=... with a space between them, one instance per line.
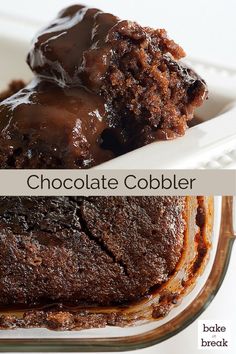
x=141 y=336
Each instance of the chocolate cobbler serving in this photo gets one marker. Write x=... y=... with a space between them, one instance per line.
x=107 y=86
x=101 y=88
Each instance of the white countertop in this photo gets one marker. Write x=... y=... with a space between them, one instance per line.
x=206 y=30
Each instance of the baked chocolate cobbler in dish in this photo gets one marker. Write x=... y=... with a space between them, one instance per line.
x=107 y=86
x=76 y=262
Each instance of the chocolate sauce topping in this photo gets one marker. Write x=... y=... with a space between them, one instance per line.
x=73 y=49
x=46 y=126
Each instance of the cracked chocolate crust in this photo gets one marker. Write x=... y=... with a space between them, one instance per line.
x=72 y=265
x=118 y=246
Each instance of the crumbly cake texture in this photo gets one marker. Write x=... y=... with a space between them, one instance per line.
x=75 y=263
x=134 y=72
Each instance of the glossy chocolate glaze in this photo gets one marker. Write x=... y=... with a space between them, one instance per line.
x=46 y=126
x=74 y=49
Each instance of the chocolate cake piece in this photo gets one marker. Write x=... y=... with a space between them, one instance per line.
x=45 y=126
x=75 y=262
x=151 y=95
